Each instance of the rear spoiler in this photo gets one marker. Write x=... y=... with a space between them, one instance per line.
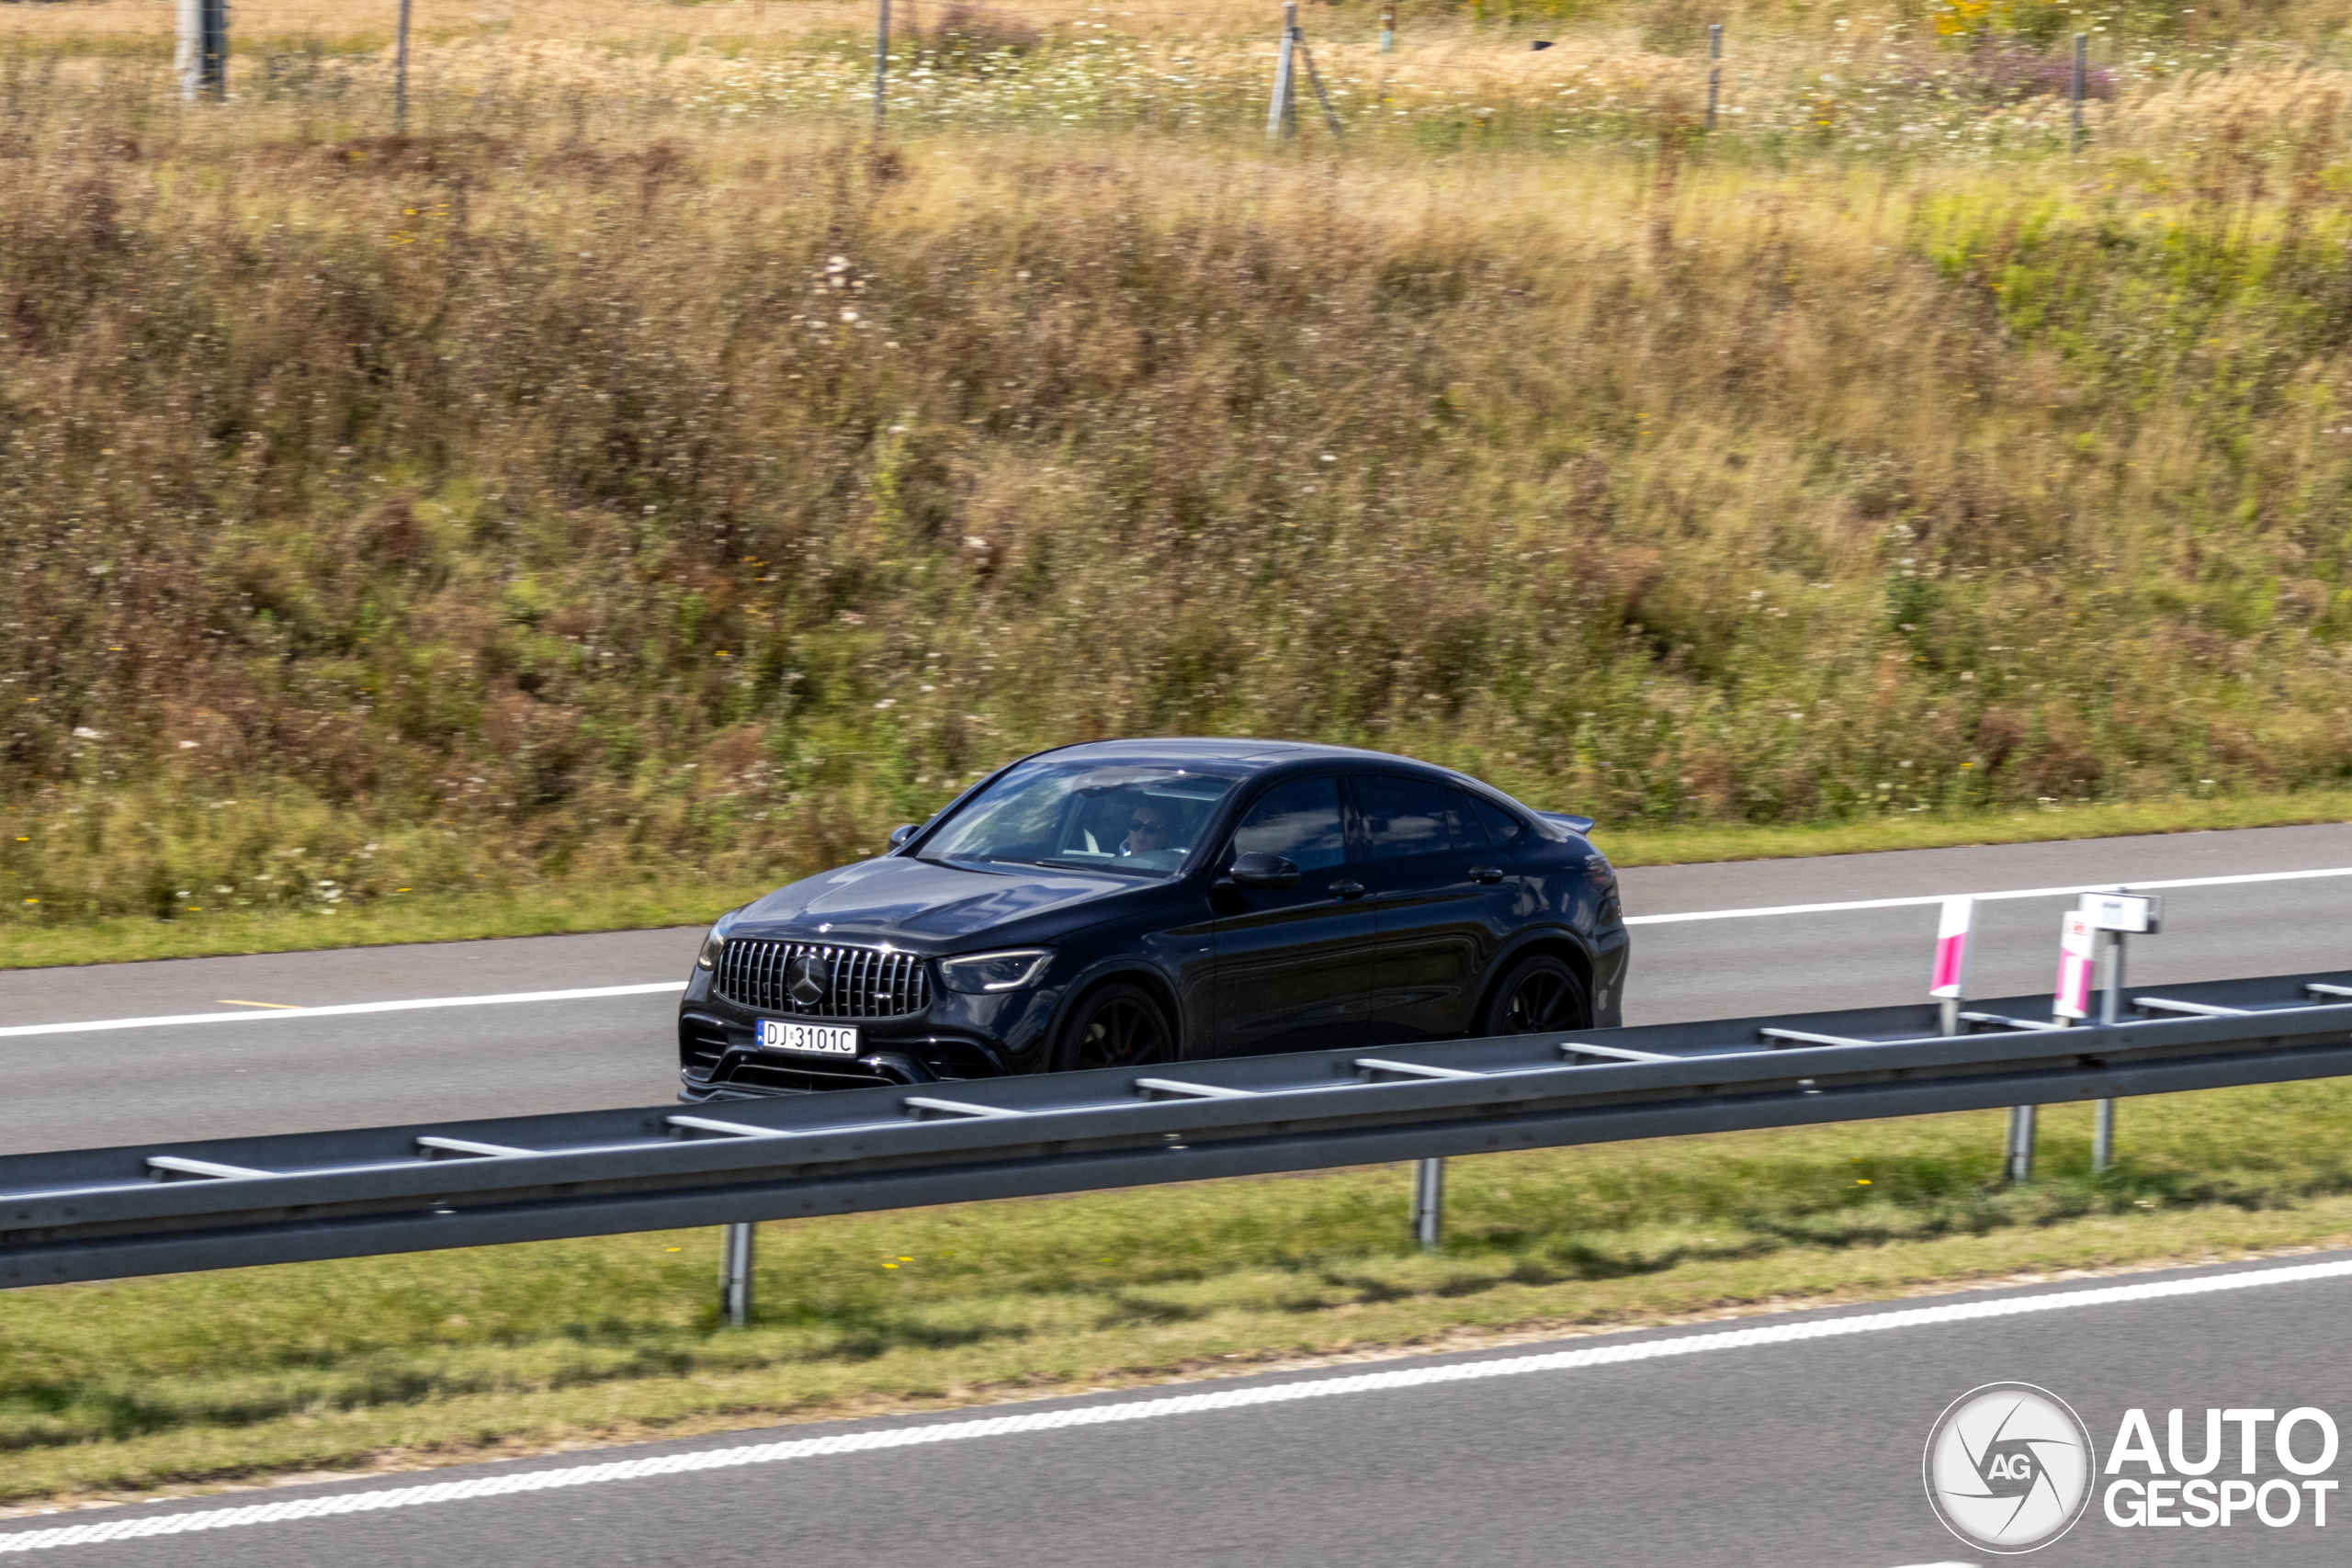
x=1568 y=820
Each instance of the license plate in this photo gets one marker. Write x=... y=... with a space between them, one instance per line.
x=824 y=1040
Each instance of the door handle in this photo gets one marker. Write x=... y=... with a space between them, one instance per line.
x=1485 y=874
x=1347 y=889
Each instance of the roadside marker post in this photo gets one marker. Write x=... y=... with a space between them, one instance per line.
x=2115 y=916
x=2077 y=957
x=1388 y=29
x=2070 y=1002
x=1947 y=984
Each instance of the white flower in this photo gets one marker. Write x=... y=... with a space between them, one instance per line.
x=83 y=732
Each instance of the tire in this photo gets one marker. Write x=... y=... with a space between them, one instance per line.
x=1539 y=995
x=1117 y=1025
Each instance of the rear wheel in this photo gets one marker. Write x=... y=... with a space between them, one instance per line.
x=1539 y=995
x=1119 y=1026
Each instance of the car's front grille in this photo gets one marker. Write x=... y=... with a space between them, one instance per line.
x=838 y=982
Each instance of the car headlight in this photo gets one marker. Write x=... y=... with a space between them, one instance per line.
x=712 y=945
x=995 y=971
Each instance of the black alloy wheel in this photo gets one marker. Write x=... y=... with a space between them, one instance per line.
x=1119 y=1026
x=1540 y=995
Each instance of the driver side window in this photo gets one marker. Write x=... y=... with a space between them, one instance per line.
x=1298 y=821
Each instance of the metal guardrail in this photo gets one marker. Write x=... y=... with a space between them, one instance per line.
x=106 y=1213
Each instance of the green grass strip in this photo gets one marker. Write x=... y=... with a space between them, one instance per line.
x=206 y=1379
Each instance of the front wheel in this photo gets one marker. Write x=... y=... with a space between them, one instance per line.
x=1117 y=1026
x=1539 y=995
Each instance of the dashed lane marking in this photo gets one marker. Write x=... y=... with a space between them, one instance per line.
x=339 y=1010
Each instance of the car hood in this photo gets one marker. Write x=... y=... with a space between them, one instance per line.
x=920 y=901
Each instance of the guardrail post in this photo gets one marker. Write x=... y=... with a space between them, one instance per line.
x=1428 y=1203
x=735 y=1274
x=2020 y=1160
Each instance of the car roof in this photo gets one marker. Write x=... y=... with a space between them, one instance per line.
x=1252 y=755
x=1249 y=757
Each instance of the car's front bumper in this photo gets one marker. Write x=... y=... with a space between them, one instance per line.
x=957 y=1036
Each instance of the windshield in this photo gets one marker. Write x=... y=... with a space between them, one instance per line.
x=1135 y=818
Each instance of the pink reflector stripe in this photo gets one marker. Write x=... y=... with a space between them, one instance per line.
x=1949 y=952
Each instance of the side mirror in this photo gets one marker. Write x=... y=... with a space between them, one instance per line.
x=902 y=832
x=1265 y=871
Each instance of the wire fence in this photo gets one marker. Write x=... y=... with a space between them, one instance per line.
x=1444 y=82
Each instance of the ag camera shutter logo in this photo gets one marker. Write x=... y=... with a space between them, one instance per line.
x=2010 y=1467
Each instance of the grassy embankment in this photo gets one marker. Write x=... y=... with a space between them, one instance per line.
x=635 y=504
x=214 y=1377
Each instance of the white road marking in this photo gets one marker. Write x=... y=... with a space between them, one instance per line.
x=2012 y=893
x=342 y=1009
x=509 y=1484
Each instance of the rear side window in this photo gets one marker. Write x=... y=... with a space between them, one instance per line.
x=1298 y=821
x=1404 y=817
x=1502 y=828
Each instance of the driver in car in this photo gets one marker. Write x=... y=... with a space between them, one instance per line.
x=1147 y=830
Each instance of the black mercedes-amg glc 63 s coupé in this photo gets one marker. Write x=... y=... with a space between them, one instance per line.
x=1133 y=902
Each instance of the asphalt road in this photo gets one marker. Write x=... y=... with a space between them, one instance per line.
x=1784 y=1448
x=255 y=1075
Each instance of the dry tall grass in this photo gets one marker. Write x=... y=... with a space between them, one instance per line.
x=608 y=484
